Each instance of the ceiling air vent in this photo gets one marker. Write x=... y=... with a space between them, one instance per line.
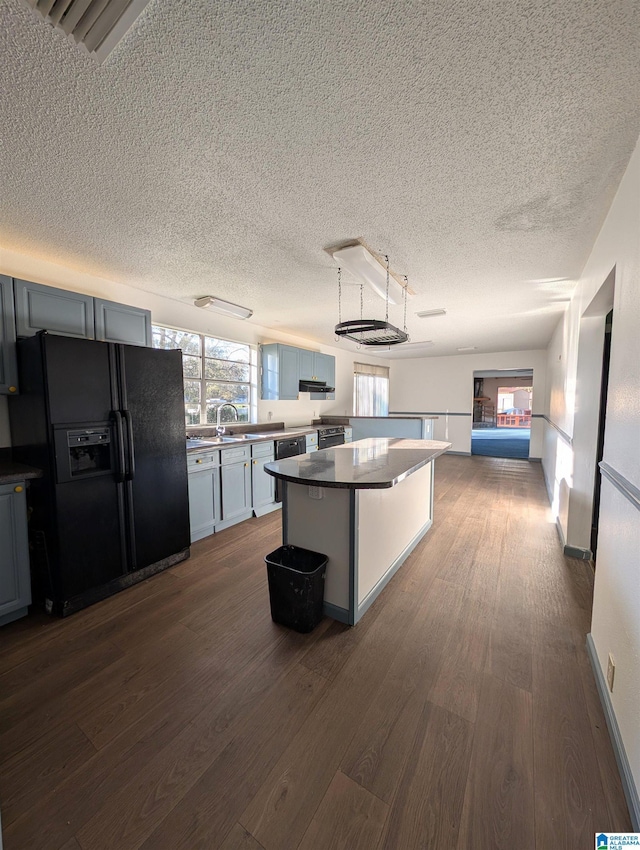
x=95 y=25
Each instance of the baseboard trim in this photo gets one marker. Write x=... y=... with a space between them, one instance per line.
x=577 y=552
x=560 y=532
x=629 y=786
x=336 y=613
x=461 y=454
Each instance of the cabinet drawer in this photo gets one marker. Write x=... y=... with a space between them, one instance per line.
x=203 y=460
x=263 y=449
x=235 y=455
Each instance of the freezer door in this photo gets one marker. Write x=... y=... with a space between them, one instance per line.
x=152 y=404
x=79 y=379
x=89 y=519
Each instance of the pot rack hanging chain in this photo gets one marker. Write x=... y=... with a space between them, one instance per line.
x=406 y=286
x=386 y=315
x=339 y=295
x=361 y=306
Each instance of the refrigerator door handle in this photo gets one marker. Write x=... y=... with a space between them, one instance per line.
x=132 y=458
x=121 y=469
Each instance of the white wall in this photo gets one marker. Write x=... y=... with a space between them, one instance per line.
x=574 y=368
x=166 y=311
x=438 y=384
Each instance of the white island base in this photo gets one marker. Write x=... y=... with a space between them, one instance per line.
x=366 y=534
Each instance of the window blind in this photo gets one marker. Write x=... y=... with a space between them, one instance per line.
x=368 y=369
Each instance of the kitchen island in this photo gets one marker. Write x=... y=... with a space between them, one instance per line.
x=365 y=505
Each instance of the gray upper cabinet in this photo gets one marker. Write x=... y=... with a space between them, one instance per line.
x=325 y=370
x=283 y=366
x=306 y=364
x=45 y=308
x=8 y=363
x=280 y=371
x=122 y=323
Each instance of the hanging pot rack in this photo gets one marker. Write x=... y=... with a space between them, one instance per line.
x=374 y=332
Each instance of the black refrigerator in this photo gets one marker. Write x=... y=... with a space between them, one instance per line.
x=105 y=423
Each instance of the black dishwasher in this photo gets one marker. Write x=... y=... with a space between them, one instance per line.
x=289 y=447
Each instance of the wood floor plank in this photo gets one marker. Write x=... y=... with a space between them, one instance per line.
x=348 y=816
x=510 y=655
x=498 y=811
x=132 y=814
x=51 y=760
x=211 y=807
x=71 y=844
x=427 y=809
x=283 y=806
x=208 y=736
x=382 y=742
x=240 y=839
x=569 y=801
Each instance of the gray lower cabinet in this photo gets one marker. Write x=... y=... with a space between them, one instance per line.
x=15 y=578
x=235 y=485
x=45 y=308
x=8 y=361
x=263 y=485
x=122 y=323
x=204 y=493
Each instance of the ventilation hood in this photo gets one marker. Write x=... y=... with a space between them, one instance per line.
x=315 y=387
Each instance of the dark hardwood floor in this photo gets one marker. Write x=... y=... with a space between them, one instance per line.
x=460 y=713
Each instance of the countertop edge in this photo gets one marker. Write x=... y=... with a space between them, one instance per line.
x=356 y=485
x=13 y=473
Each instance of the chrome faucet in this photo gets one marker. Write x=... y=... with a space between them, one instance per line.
x=220 y=429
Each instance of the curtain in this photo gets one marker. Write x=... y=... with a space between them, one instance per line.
x=370 y=390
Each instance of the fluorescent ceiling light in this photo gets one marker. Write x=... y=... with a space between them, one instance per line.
x=225 y=307
x=425 y=314
x=357 y=260
x=469 y=348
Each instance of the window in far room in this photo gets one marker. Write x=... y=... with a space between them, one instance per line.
x=370 y=390
x=215 y=371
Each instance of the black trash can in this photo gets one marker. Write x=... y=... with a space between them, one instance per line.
x=296 y=587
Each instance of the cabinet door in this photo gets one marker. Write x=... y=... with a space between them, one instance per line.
x=15 y=580
x=288 y=360
x=263 y=486
x=236 y=489
x=204 y=502
x=325 y=370
x=45 y=308
x=122 y=323
x=307 y=365
x=8 y=361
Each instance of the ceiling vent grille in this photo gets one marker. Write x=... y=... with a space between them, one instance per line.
x=96 y=26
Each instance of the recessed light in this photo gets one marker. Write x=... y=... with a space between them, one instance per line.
x=425 y=314
x=468 y=348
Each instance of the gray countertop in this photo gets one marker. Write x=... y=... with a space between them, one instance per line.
x=373 y=463
x=11 y=473
x=209 y=443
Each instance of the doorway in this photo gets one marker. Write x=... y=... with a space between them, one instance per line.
x=502 y=402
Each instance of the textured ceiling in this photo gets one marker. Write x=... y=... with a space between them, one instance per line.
x=222 y=146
